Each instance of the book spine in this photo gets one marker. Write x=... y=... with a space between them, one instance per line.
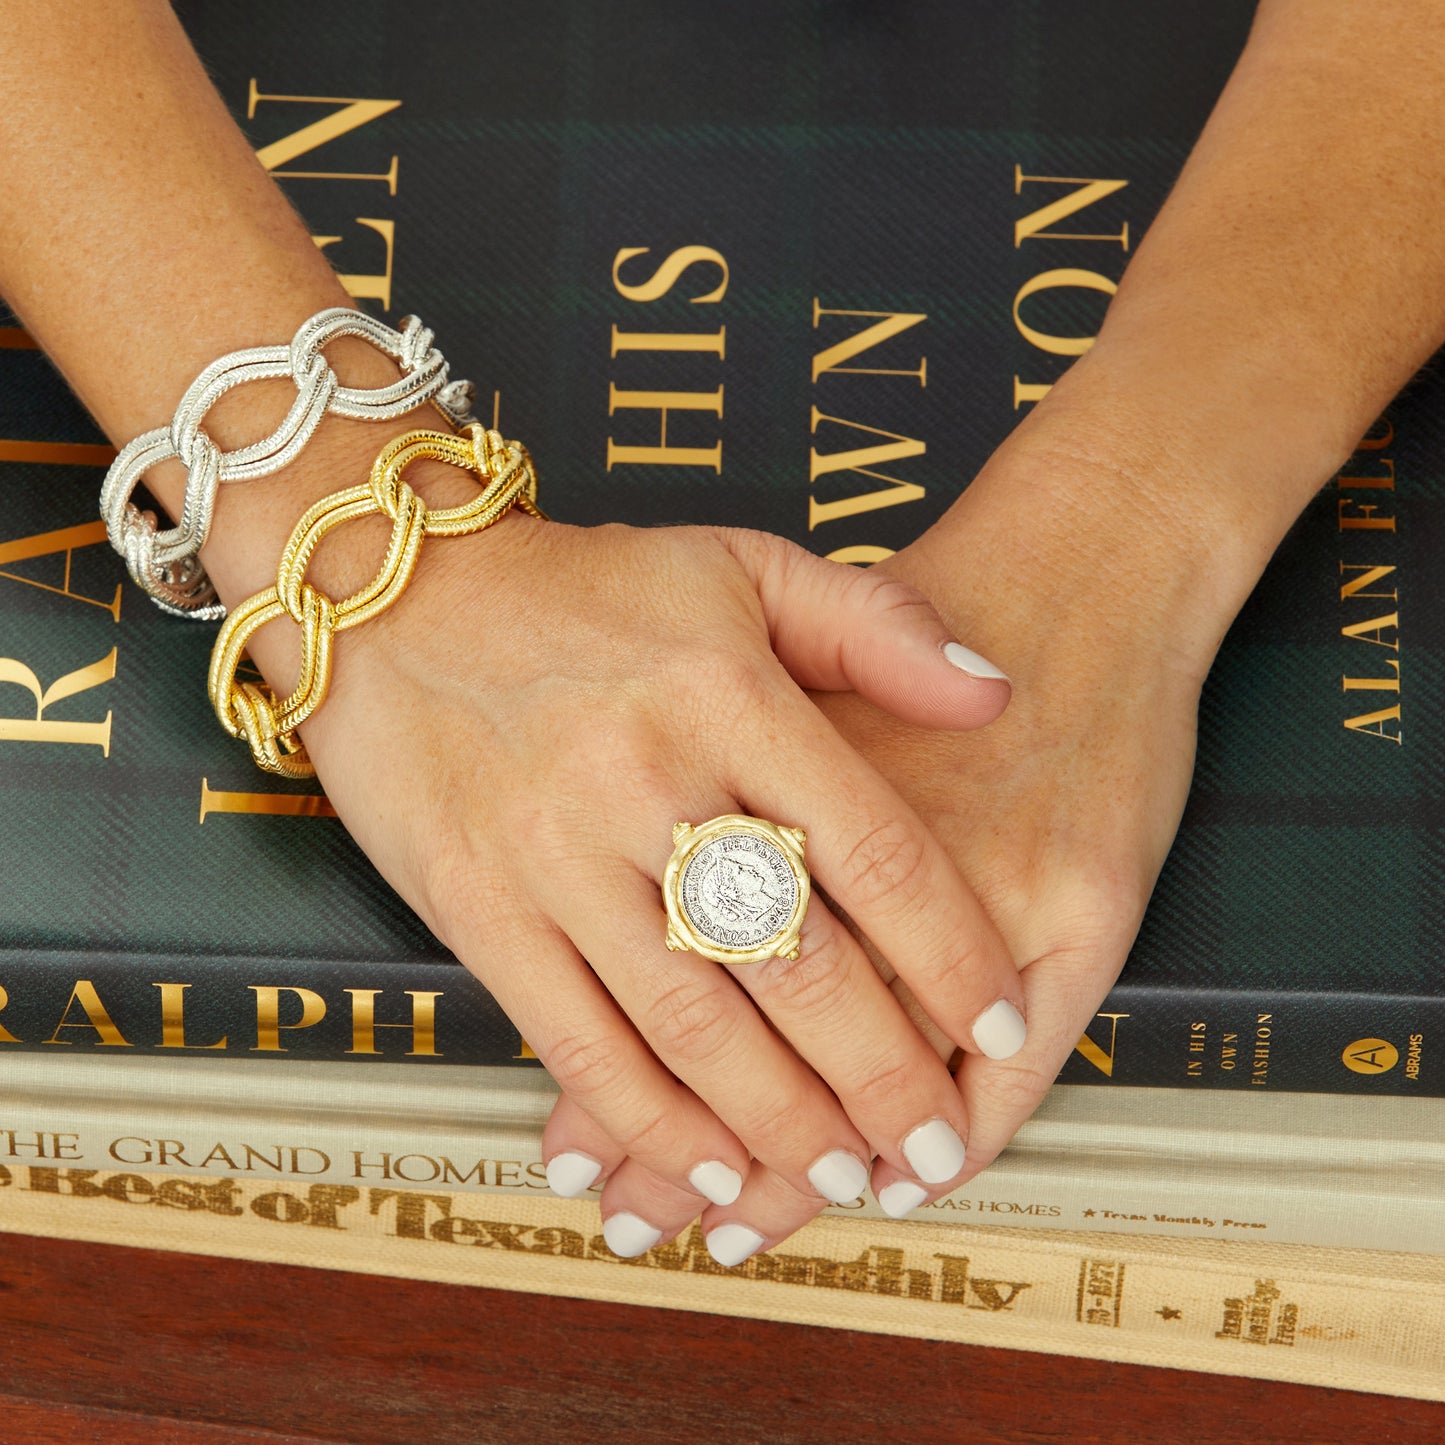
x=426 y=1013
x=85 y=1144
x=116 y=1006
x=1334 y=1043
x=1342 y=1318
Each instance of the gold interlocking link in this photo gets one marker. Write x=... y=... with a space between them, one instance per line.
x=252 y=710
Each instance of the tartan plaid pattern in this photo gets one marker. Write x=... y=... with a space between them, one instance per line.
x=859 y=155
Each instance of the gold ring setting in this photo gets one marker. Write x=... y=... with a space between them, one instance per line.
x=736 y=889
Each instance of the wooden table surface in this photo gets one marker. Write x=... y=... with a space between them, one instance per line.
x=141 y=1347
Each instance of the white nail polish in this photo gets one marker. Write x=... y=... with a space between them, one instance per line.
x=934 y=1152
x=716 y=1181
x=628 y=1235
x=839 y=1176
x=970 y=662
x=901 y=1198
x=999 y=1030
x=731 y=1244
x=570 y=1174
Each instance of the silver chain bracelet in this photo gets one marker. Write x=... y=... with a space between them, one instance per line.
x=166 y=563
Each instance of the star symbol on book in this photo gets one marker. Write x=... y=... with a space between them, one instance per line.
x=1169 y=1313
x=1088 y=1214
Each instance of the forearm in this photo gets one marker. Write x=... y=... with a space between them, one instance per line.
x=140 y=239
x=1290 y=286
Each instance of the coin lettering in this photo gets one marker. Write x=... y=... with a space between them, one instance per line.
x=738 y=891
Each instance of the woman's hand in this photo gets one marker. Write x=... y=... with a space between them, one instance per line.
x=512 y=744
x=1105 y=548
x=1059 y=815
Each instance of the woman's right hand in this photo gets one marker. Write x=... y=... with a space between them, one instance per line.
x=512 y=744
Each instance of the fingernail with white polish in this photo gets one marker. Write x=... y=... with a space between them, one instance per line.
x=934 y=1152
x=839 y=1176
x=570 y=1174
x=628 y=1236
x=971 y=662
x=901 y=1198
x=999 y=1030
x=716 y=1181
x=731 y=1244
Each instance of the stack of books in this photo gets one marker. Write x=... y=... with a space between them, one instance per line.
x=843 y=252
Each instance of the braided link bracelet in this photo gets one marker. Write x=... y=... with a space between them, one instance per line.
x=252 y=710
x=166 y=563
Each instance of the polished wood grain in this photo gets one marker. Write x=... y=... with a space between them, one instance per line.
x=140 y=1347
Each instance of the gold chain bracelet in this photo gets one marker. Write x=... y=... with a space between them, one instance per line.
x=251 y=710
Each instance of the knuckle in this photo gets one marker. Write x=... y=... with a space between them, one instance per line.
x=897 y=600
x=888 y=865
x=628 y=762
x=691 y=1021
x=880 y=1086
x=738 y=681
x=590 y=1066
x=952 y=976
x=650 y=1137
x=460 y=914
x=1015 y=1088
x=775 y=1124
x=620 y=755
x=817 y=982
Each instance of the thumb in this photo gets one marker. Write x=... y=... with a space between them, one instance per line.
x=838 y=628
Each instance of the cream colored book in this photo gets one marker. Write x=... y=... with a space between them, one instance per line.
x=1329 y=1170
x=1347 y=1318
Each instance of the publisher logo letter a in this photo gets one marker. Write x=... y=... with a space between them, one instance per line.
x=1370 y=1056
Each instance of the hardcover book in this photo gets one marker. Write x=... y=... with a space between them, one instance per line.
x=1315 y=1169
x=798 y=267
x=1345 y=1318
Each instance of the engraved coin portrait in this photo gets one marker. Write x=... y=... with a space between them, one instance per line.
x=738 y=891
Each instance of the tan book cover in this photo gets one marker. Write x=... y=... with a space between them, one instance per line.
x=1347 y=1318
x=1298 y=1168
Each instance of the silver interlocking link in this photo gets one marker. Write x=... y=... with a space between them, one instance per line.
x=166 y=563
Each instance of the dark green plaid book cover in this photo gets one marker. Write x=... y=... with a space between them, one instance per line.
x=873 y=233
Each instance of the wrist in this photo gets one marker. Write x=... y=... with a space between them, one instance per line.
x=253 y=519
x=1122 y=522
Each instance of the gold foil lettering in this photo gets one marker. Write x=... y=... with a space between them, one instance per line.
x=1375 y=684
x=669 y=273
x=663 y=402
x=1032 y=226
x=44 y=731
x=6 y=1037
x=1370 y=629
x=1354 y=586
x=268 y=1015
x=46 y=544
x=1375 y=724
x=64 y=454
x=423 y=1023
x=1366 y=521
x=862 y=554
x=891 y=325
x=291 y=805
x=97 y=1017
x=860 y=460
x=709 y=341
x=367 y=286
x=173 y=1018
x=1385 y=483
x=1046 y=281
x=1030 y=391
x=353 y=114
x=1101 y=1060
